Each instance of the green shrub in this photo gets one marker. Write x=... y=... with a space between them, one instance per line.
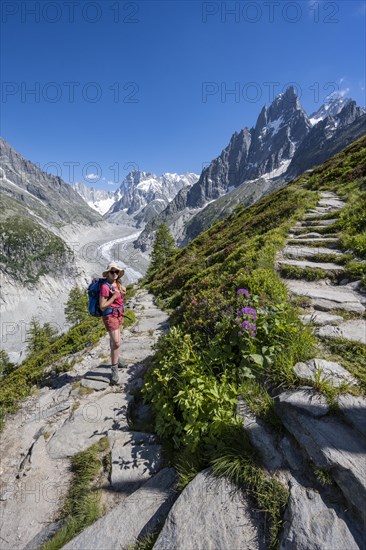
x=76 y=309
x=189 y=403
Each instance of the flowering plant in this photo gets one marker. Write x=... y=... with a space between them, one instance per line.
x=261 y=333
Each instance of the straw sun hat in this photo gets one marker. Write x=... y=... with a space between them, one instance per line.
x=113 y=266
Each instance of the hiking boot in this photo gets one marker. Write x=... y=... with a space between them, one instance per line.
x=121 y=364
x=114 y=375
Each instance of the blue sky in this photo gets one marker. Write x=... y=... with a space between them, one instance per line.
x=122 y=85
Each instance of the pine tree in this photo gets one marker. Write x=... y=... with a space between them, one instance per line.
x=164 y=248
x=76 y=309
x=6 y=366
x=40 y=337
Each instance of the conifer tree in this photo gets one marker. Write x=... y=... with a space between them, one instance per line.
x=40 y=337
x=6 y=366
x=164 y=248
x=76 y=309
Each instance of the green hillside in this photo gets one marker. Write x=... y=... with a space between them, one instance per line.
x=235 y=330
x=28 y=250
x=226 y=277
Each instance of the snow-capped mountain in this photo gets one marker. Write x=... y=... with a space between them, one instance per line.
x=332 y=108
x=43 y=196
x=283 y=144
x=142 y=195
x=98 y=199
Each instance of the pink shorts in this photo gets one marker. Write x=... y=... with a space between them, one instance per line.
x=112 y=322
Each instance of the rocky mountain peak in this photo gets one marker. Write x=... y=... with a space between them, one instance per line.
x=283 y=143
x=44 y=195
x=331 y=108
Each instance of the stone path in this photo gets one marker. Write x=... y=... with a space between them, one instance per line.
x=56 y=423
x=330 y=517
x=325 y=294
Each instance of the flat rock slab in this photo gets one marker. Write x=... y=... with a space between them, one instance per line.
x=38 y=494
x=94 y=384
x=89 y=423
x=354 y=409
x=306 y=401
x=314 y=265
x=134 y=517
x=263 y=440
x=136 y=456
x=309 y=228
x=320 y=223
x=152 y=323
x=211 y=514
x=302 y=251
x=313 y=215
x=334 y=203
x=136 y=350
x=320 y=318
x=354 y=330
x=311 y=525
x=315 y=240
x=311 y=235
x=327 y=297
x=101 y=374
x=329 y=371
x=331 y=445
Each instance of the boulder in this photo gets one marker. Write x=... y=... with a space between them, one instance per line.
x=211 y=514
x=328 y=441
x=354 y=330
x=330 y=371
x=311 y=525
x=320 y=318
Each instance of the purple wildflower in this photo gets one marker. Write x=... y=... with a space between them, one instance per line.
x=250 y=311
x=248 y=327
x=243 y=291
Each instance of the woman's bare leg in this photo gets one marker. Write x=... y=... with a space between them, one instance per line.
x=115 y=344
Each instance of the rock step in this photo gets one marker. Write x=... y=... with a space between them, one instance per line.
x=314 y=234
x=89 y=423
x=320 y=318
x=303 y=264
x=300 y=228
x=313 y=519
x=301 y=251
x=325 y=297
x=315 y=215
x=354 y=330
x=329 y=371
x=331 y=242
x=319 y=222
x=328 y=441
x=332 y=202
x=134 y=518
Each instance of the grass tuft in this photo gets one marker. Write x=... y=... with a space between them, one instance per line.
x=82 y=505
x=235 y=461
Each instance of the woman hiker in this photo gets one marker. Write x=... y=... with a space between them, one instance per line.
x=113 y=303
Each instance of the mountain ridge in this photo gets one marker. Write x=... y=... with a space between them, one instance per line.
x=267 y=150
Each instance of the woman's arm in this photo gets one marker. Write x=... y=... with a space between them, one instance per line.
x=105 y=302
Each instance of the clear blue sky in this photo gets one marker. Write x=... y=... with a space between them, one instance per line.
x=144 y=84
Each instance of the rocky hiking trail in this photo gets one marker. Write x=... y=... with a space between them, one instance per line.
x=319 y=438
x=140 y=493
x=78 y=410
